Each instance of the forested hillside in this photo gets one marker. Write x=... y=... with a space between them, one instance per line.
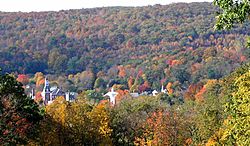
x=150 y=45
x=206 y=101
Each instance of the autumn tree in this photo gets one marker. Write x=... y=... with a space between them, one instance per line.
x=100 y=119
x=210 y=113
x=128 y=116
x=237 y=128
x=77 y=123
x=99 y=83
x=39 y=79
x=163 y=128
x=19 y=114
x=24 y=79
x=169 y=88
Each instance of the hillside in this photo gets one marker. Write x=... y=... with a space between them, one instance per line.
x=148 y=45
x=202 y=76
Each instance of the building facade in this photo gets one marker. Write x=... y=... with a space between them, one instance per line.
x=49 y=94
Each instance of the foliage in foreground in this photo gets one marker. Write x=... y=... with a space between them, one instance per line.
x=76 y=123
x=144 y=120
x=19 y=114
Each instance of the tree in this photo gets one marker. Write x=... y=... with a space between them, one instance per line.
x=99 y=83
x=209 y=115
x=100 y=120
x=163 y=128
x=181 y=74
x=127 y=118
x=91 y=96
x=233 y=12
x=237 y=130
x=24 y=79
x=76 y=123
x=237 y=126
x=19 y=114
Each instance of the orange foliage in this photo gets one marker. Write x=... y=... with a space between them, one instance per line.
x=193 y=89
x=40 y=82
x=174 y=62
x=169 y=88
x=160 y=129
x=24 y=79
x=39 y=78
x=38 y=96
x=122 y=72
x=199 y=95
x=104 y=102
x=189 y=141
x=121 y=94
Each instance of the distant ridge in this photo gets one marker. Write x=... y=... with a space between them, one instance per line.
x=159 y=39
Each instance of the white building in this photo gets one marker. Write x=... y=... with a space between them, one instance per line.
x=112 y=94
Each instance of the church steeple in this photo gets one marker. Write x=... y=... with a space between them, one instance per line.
x=33 y=94
x=47 y=86
x=46 y=91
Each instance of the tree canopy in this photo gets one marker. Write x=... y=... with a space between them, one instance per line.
x=19 y=114
x=232 y=12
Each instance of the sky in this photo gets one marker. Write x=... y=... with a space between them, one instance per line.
x=56 y=5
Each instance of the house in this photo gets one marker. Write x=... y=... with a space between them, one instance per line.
x=154 y=93
x=134 y=95
x=163 y=90
x=112 y=94
x=49 y=94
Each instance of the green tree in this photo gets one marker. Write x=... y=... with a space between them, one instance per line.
x=237 y=131
x=19 y=114
x=209 y=115
x=127 y=118
x=99 y=83
x=233 y=12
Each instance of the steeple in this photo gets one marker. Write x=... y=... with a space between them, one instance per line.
x=32 y=94
x=47 y=86
x=46 y=91
x=163 y=90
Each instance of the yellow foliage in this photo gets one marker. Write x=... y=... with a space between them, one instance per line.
x=100 y=118
x=57 y=110
x=76 y=123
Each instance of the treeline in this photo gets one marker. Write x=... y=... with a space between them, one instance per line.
x=175 y=42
